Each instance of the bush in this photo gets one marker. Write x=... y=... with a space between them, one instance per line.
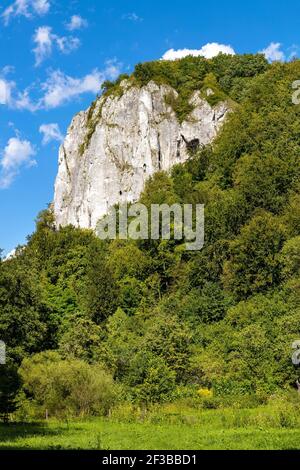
x=152 y=380
x=70 y=388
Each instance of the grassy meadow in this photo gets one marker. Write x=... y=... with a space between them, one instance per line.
x=227 y=429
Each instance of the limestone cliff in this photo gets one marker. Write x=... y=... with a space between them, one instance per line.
x=113 y=147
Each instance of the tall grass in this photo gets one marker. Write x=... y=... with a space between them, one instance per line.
x=179 y=425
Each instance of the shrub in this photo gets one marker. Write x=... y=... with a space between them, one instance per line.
x=66 y=388
x=152 y=380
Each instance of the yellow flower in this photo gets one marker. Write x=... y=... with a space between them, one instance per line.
x=205 y=393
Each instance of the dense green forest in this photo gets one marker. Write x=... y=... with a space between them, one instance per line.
x=89 y=324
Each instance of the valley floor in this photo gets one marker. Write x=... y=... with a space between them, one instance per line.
x=206 y=433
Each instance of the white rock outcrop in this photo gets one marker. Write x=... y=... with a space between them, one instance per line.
x=133 y=136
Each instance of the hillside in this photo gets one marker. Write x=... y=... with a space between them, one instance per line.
x=146 y=320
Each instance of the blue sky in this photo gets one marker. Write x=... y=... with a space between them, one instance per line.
x=55 y=53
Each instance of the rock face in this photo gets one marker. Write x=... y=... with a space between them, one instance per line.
x=112 y=148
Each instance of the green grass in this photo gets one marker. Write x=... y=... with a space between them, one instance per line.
x=206 y=429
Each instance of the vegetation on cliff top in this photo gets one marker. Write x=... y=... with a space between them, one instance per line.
x=226 y=77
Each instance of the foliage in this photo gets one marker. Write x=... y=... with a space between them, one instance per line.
x=165 y=322
x=67 y=388
x=225 y=76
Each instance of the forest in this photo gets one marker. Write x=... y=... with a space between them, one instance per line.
x=92 y=327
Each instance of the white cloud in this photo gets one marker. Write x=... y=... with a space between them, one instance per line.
x=67 y=44
x=273 y=52
x=26 y=8
x=41 y=6
x=112 y=69
x=76 y=22
x=58 y=89
x=7 y=69
x=14 y=99
x=7 y=13
x=132 y=17
x=23 y=101
x=10 y=255
x=208 y=51
x=16 y=154
x=61 y=88
x=45 y=39
x=51 y=132
x=10 y=96
x=5 y=91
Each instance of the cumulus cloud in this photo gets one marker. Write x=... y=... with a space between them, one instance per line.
x=10 y=96
x=26 y=8
x=16 y=154
x=45 y=40
x=76 y=22
x=132 y=17
x=60 y=88
x=14 y=99
x=51 y=132
x=208 y=51
x=273 y=53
